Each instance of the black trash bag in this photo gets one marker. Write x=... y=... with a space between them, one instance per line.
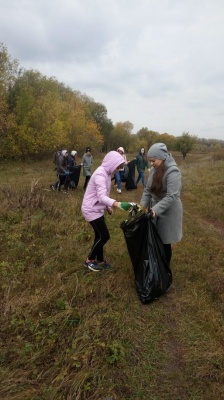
x=74 y=176
x=126 y=172
x=153 y=276
x=130 y=179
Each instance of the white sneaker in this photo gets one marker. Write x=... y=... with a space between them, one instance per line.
x=118 y=190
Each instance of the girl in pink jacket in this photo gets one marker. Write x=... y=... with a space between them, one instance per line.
x=95 y=201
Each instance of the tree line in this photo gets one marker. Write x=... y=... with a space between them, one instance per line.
x=39 y=115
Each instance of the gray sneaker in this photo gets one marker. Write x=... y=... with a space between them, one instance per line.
x=92 y=265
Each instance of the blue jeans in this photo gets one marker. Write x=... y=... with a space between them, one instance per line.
x=141 y=175
x=119 y=176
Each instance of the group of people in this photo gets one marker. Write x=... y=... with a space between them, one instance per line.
x=161 y=196
x=141 y=162
x=66 y=169
x=65 y=166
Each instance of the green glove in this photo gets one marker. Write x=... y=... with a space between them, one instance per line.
x=124 y=205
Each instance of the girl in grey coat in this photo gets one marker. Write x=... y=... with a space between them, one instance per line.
x=87 y=162
x=162 y=196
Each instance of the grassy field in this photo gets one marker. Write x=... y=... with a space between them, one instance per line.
x=70 y=334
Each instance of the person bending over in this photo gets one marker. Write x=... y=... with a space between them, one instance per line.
x=95 y=202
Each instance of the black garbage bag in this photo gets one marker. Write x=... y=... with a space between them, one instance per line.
x=153 y=276
x=130 y=178
x=126 y=172
x=74 y=176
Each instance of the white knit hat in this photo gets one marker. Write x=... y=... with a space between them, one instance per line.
x=73 y=152
x=64 y=152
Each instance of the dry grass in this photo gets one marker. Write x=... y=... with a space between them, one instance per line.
x=71 y=334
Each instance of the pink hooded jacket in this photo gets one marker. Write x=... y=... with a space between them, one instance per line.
x=96 y=198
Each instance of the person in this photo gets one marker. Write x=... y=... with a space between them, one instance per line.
x=62 y=172
x=162 y=196
x=72 y=158
x=56 y=158
x=119 y=175
x=95 y=201
x=71 y=167
x=87 y=162
x=141 y=163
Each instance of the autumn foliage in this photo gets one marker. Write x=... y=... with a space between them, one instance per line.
x=38 y=115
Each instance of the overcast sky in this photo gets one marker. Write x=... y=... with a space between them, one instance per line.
x=156 y=63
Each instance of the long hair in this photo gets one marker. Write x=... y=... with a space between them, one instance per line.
x=144 y=155
x=156 y=186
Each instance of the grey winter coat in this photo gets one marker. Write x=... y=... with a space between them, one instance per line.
x=62 y=165
x=87 y=161
x=168 y=207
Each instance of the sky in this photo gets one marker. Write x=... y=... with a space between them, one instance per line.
x=156 y=63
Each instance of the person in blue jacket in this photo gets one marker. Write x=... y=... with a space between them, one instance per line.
x=72 y=158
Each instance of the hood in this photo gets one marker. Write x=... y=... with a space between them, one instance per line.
x=111 y=161
x=170 y=162
x=140 y=153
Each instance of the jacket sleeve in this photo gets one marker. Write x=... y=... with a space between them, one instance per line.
x=146 y=196
x=125 y=158
x=61 y=165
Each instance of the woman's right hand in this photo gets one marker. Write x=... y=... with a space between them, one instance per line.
x=153 y=214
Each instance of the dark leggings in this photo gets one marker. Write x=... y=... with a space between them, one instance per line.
x=168 y=252
x=86 y=181
x=101 y=237
x=62 y=180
